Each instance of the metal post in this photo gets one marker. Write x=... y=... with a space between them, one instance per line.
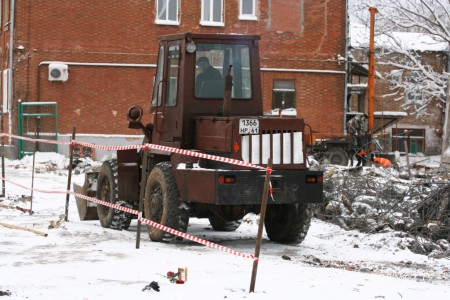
x=262 y=217
x=32 y=177
x=69 y=178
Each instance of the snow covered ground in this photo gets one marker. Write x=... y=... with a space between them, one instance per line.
x=82 y=260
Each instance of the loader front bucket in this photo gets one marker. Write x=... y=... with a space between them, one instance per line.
x=87 y=210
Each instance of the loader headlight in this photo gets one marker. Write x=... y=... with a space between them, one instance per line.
x=135 y=113
x=191 y=47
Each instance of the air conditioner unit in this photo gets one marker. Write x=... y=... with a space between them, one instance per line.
x=58 y=72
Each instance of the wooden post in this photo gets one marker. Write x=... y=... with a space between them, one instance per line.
x=32 y=177
x=69 y=178
x=262 y=216
x=24 y=229
x=141 y=195
x=407 y=152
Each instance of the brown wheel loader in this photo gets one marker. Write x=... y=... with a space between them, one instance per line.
x=207 y=98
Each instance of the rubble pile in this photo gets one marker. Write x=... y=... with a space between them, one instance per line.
x=373 y=199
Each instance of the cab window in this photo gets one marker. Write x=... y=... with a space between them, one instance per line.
x=213 y=62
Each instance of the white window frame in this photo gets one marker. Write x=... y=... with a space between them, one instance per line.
x=414 y=95
x=165 y=20
x=210 y=22
x=252 y=15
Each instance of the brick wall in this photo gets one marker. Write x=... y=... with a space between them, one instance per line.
x=299 y=35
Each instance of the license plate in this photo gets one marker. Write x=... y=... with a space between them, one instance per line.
x=249 y=126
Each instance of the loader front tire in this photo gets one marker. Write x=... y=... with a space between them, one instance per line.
x=107 y=190
x=288 y=223
x=163 y=205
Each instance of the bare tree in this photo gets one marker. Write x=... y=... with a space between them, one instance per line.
x=427 y=22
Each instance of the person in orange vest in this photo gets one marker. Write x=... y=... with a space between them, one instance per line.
x=384 y=162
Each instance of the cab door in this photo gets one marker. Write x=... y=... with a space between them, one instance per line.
x=167 y=111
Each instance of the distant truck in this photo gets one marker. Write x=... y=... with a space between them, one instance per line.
x=222 y=115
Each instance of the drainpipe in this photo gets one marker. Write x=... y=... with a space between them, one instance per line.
x=346 y=62
x=11 y=68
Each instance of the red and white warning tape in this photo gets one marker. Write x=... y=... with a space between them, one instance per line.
x=144 y=220
x=145 y=146
x=196 y=239
x=136 y=212
x=35 y=140
x=173 y=150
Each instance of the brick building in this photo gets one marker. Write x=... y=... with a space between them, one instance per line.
x=110 y=49
x=425 y=132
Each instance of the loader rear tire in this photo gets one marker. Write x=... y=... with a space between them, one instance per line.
x=288 y=223
x=107 y=190
x=337 y=156
x=163 y=205
x=220 y=224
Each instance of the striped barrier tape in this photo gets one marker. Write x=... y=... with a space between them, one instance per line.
x=147 y=146
x=174 y=150
x=34 y=140
x=196 y=239
x=136 y=212
x=144 y=220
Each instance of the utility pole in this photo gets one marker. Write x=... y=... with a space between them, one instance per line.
x=371 y=79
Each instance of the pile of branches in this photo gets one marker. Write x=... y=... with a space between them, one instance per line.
x=371 y=199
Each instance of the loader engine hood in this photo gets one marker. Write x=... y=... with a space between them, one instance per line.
x=254 y=139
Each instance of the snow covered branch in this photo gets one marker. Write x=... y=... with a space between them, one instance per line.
x=405 y=31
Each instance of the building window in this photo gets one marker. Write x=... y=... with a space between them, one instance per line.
x=415 y=142
x=167 y=12
x=283 y=97
x=212 y=13
x=395 y=78
x=413 y=93
x=247 y=9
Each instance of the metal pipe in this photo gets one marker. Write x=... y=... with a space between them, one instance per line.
x=11 y=68
x=95 y=64
x=371 y=79
x=347 y=69
x=87 y=64
x=301 y=71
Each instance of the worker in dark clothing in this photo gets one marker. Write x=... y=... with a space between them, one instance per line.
x=207 y=73
x=361 y=157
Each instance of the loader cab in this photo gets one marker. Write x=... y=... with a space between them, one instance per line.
x=190 y=82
